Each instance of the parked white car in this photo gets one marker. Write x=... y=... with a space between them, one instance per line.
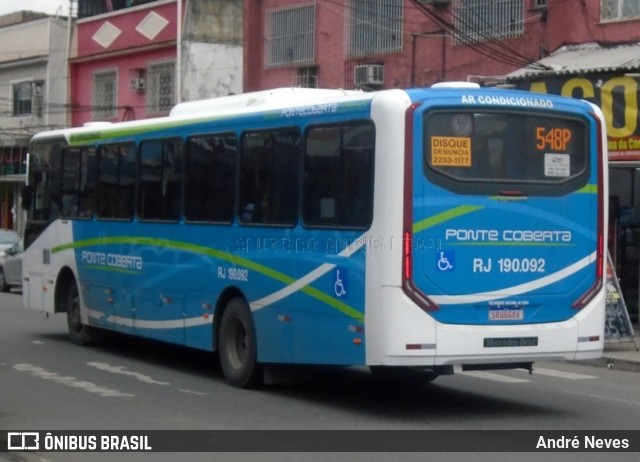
x=11 y=267
x=8 y=237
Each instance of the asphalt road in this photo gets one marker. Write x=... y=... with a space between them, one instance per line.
x=131 y=384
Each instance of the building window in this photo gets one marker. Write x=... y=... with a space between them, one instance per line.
x=290 y=36
x=104 y=95
x=307 y=77
x=486 y=20
x=161 y=89
x=374 y=27
x=620 y=9
x=22 y=98
x=88 y=8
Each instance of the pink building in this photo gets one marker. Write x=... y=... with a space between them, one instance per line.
x=124 y=64
x=135 y=59
x=407 y=43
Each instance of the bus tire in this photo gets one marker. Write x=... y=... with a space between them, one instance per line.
x=237 y=346
x=79 y=333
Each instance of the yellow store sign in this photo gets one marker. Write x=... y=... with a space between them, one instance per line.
x=616 y=95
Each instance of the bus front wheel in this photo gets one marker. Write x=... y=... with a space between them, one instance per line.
x=237 y=346
x=79 y=333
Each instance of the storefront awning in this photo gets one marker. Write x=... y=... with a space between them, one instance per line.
x=587 y=58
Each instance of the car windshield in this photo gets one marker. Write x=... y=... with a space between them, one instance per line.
x=8 y=237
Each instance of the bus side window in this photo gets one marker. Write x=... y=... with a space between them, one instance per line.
x=161 y=169
x=78 y=182
x=268 y=177
x=116 y=181
x=338 y=176
x=210 y=178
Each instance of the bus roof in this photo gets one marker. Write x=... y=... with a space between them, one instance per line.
x=267 y=99
x=246 y=103
x=279 y=99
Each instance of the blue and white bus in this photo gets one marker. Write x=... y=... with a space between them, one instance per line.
x=404 y=230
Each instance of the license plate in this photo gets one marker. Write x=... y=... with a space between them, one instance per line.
x=506 y=315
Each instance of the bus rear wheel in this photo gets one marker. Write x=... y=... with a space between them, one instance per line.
x=237 y=346
x=79 y=333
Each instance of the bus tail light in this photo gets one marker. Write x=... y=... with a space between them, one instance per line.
x=407 y=235
x=406 y=255
x=600 y=245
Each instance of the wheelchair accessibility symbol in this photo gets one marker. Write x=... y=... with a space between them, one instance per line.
x=340 y=282
x=445 y=260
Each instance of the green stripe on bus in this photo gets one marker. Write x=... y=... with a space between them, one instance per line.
x=220 y=255
x=444 y=216
x=588 y=189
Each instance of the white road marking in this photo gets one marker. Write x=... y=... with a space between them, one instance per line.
x=491 y=376
x=559 y=374
x=606 y=398
x=90 y=387
x=191 y=392
x=496 y=377
x=122 y=370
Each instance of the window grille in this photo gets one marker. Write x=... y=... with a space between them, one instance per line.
x=104 y=95
x=485 y=20
x=374 y=27
x=290 y=36
x=307 y=77
x=619 y=9
x=160 y=87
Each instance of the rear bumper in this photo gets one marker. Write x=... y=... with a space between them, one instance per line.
x=410 y=337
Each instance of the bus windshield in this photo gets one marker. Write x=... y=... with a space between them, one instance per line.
x=488 y=152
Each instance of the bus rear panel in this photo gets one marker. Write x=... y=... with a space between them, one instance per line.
x=504 y=231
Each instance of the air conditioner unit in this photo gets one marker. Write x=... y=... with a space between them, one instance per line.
x=368 y=74
x=137 y=84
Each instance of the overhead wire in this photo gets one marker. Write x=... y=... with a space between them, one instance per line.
x=478 y=40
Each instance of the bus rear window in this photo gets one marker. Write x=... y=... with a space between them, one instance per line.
x=491 y=152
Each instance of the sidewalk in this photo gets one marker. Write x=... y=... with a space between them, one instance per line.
x=622 y=355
